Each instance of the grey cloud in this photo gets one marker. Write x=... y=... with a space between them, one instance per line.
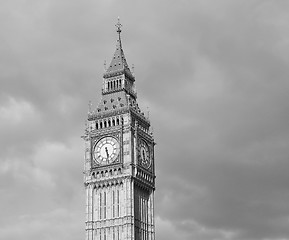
x=214 y=76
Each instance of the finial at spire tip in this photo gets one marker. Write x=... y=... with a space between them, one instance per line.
x=118 y=26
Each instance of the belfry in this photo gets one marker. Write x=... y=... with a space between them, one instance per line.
x=119 y=169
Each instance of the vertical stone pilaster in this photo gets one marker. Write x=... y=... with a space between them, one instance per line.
x=153 y=216
x=150 y=216
x=91 y=210
x=135 y=143
x=108 y=201
x=87 y=212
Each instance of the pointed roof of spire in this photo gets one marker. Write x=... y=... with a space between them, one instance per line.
x=118 y=63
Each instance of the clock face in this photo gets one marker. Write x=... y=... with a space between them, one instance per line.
x=144 y=155
x=106 y=150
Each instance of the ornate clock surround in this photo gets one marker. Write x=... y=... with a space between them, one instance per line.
x=149 y=145
x=96 y=139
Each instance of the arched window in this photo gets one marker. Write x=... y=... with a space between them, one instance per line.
x=117 y=121
x=109 y=123
x=100 y=205
x=117 y=233
x=113 y=203
x=100 y=124
x=104 y=205
x=117 y=204
x=105 y=124
x=96 y=125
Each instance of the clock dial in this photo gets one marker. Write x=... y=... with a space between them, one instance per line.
x=106 y=150
x=144 y=155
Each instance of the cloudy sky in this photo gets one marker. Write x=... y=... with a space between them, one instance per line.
x=214 y=75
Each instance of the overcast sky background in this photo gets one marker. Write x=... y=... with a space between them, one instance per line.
x=215 y=76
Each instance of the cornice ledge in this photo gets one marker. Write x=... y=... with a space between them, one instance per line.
x=96 y=115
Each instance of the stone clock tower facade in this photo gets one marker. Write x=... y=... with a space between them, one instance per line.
x=119 y=169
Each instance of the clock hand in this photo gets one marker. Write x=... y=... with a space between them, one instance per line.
x=106 y=150
x=143 y=154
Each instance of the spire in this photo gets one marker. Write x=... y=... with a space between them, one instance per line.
x=118 y=63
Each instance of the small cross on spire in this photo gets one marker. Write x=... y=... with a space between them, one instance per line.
x=118 y=26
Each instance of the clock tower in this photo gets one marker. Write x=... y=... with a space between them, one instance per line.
x=119 y=169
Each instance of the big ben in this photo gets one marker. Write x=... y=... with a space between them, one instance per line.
x=119 y=168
